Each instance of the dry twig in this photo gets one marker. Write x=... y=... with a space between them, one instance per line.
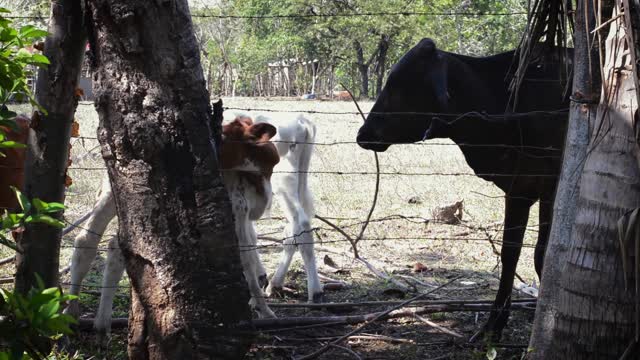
x=377 y=317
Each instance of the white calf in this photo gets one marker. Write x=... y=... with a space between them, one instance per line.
x=294 y=141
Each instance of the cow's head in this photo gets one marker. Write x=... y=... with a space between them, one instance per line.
x=246 y=146
x=416 y=84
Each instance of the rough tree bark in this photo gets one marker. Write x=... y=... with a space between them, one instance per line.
x=175 y=222
x=381 y=63
x=595 y=315
x=46 y=164
x=586 y=90
x=363 y=69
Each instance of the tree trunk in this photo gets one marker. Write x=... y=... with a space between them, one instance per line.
x=363 y=68
x=381 y=64
x=586 y=87
x=39 y=245
x=595 y=315
x=176 y=227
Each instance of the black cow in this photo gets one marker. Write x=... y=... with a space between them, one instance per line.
x=427 y=82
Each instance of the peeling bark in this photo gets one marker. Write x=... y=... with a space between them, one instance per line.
x=595 y=315
x=586 y=88
x=175 y=222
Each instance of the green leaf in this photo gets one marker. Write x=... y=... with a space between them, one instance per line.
x=39 y=59
x=6 y=115
x=46 y=219
x=31 y=32
x=12 y=145
x=8 y=243
x=52 y=291
x=50 y=309
x=39 y=205
x=25 y=205
x=54 y=207
x=491 y=353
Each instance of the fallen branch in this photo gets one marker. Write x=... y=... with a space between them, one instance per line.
x=298 y=323
x=354 y=337
x=357 y=256
x=437 y=327
x=383 y=274
x=327 y=279
x=375 y=318
x=7 y=260
x=419 y=282
x=417 y=303
x=355 y=354
x=6 y=280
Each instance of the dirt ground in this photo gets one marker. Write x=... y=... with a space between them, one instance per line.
x=417 y=178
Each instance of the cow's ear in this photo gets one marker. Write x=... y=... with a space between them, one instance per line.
x=437 y=129
x=263 y=131
x=427 y=45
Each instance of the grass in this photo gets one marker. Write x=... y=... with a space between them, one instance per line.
x=394 y=245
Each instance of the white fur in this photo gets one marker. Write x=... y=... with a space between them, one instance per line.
x=289 y=181
x=294 y=141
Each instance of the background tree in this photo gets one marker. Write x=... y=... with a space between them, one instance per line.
x=354 y=50
x=175 y=222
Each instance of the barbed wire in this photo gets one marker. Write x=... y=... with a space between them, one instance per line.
x=407 y=113
x=280 y=241
x=362 y=14
x=346 y=173
x=351 y=142
x=321 y=15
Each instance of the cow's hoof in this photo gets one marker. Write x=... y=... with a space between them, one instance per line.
x=266 y=313
x=275 y=291
x=102 y=339
x=263 y=281
x=72 y=309
x=489 y=333
x=318 y=298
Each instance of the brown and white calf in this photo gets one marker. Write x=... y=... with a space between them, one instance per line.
x=247 y=159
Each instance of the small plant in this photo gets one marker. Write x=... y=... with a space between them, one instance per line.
x=31 y=321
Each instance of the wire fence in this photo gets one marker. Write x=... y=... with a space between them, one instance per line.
x=330 y=235
x=328 y=15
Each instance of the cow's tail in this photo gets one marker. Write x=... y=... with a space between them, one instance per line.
x=304 y=162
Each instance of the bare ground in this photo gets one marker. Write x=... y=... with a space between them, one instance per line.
x=396 y=240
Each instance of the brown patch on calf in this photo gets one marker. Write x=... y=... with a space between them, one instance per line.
x=12 y=164
x=245 y=141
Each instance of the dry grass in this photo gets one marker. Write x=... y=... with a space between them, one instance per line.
x=393 y=245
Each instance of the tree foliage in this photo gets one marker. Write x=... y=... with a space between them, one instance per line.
x=346 y=44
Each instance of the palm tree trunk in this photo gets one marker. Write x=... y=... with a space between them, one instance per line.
x=595 y=315
x=586 y=87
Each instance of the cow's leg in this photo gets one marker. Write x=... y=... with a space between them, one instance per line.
x=247 y=242
x=515 y=222
x=113 y=270
x=315 y=289
x=303 y=237
x=288 y=250
x=261 y=272
x=546 y=216
x=86 y=244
